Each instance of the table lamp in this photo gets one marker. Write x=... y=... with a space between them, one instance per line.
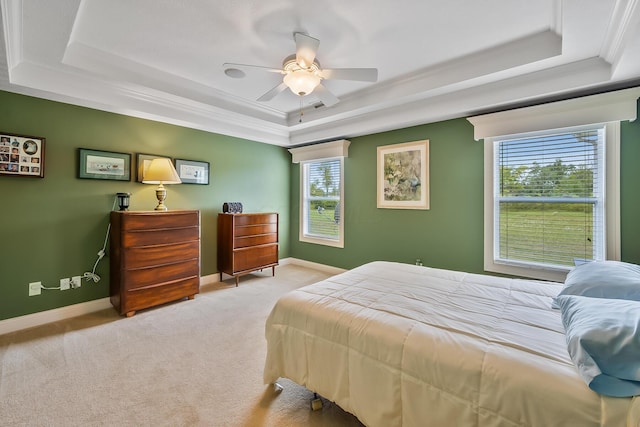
x=161 y=171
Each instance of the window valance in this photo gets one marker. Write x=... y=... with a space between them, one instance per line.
x=325 y=150
x=601 y=108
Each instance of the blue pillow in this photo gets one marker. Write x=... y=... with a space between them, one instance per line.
x=603 y=339
x=603 y=279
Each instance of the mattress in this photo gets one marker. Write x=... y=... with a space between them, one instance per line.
x=403 y=345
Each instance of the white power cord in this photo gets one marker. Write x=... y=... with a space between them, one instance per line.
x=91 y=275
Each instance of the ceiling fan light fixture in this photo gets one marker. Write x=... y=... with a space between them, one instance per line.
x=303 y=75
x=301 y=82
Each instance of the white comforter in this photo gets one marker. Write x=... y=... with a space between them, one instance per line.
x=401 y=345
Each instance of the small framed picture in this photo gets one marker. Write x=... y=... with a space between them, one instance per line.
x=142 y=164
x=193 y=172
x=21 y=155
x=96 y=164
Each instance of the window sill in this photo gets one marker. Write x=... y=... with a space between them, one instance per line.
x=541 y=273
x=324 y=242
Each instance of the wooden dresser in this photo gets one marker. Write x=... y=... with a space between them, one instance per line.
x=154 y=259
x=247 y=242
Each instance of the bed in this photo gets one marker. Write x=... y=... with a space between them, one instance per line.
x=403 y=345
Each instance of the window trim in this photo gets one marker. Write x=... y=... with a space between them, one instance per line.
x=337 y=243
x=611 y=206
x=316 y=153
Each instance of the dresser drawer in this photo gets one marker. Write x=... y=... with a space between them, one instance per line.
x=151 y=256
x=160 y=220
x=160 y=237
x=252 y=219
x=254 y=230
x=255 y=258
x=142 y=277
x=161 y=293
x=243 y=242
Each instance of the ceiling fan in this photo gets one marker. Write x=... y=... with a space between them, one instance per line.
x=303 y=74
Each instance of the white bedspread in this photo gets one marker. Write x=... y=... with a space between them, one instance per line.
x=401 y=345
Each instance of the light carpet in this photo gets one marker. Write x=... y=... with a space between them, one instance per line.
x=190 y=363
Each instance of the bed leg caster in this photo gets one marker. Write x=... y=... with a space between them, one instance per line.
x=277 y=388
x=316 y=403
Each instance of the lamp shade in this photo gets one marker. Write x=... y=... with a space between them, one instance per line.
x=301 y=82
x=161 y=171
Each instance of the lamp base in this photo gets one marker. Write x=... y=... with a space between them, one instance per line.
x=161 y=195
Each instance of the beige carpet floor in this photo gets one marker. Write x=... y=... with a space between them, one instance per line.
x=190 y=363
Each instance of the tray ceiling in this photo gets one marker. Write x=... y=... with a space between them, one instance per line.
x=162 y=59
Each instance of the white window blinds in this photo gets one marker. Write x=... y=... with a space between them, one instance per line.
x=322 y=190
x=549 y=191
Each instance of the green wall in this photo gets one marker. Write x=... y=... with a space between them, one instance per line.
x=54 y=227
x=450 y=234
x=630 y=190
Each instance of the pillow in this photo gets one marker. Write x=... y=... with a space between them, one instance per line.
x=603 y=339
x=603 y=279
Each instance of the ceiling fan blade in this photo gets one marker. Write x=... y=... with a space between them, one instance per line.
x=357 y=74
x=272 y=93
x=229 y=65
x=306 y=48
x=323 y=94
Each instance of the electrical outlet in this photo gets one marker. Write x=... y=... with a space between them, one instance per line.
x=76 y=282
x=65 y=284
x=35 y=288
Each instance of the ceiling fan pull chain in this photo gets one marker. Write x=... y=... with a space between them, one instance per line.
x=301 y=111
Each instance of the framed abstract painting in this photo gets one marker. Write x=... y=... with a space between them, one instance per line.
x=403 y=175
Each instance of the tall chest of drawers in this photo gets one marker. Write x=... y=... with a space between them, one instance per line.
x=154 y=258
x=247 y=242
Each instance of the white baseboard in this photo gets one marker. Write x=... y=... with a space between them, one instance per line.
x=49 y=316
x=211 y=278
x=314 y=265
x=36 y=319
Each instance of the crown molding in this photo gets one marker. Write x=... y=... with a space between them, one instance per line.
x=624 y=20
x=448 y=76
x=131 y=100
x=102 y=63
x=12 y=25
x=533 y=87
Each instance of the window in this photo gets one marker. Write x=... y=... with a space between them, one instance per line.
x=521 y=234
x=548 y=198
x=321 y=213
x=322 y=192
x=548 y=205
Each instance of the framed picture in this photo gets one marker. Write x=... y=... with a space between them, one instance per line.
x=97 y=164
x=142 y=164
x=403 y=175
x=193 y=172
x=21 y=155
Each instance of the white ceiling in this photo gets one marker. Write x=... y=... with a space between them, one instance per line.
x=162 y=59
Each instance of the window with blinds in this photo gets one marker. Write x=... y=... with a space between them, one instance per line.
x=549 y=198
x=321 y=206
